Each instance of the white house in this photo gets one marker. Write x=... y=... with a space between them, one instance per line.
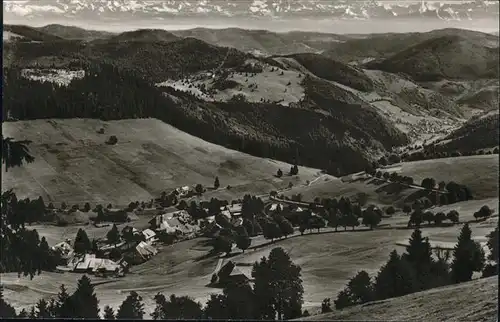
x=149 y=235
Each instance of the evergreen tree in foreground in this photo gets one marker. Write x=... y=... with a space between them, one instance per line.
x=109 y=314
x=468 y=257
x=419 y=255
x=84 y=301
x=131 y=308
x=395 y=278
x=176 y=308
x=6 y=310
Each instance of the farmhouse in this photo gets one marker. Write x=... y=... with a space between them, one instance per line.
x=229 y=273
x=141 y=253
x=90 y=264
x=149 y=235
x=64 y=248
x=183 y=191
x=276 y=207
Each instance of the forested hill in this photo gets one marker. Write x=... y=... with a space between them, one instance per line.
x=326 y=133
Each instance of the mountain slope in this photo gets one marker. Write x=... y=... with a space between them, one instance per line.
x=72 y=32
x=150 y=157
x=446 y=57
x=332 y=70
x=151 y=59
x=146 y=35
x=363 y=48
x=471 y=301
x=26 y=33
x=479 y=132
x=330 y=129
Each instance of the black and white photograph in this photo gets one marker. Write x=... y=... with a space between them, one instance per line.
x=309 y=160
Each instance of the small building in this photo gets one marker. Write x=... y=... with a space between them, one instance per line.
x=141 y=253
x=234 y=209
x=276 y=207
x=237 y=221
x=149 y=235
x=229 y=273
x=183 y=191
x=64 y=248
x=226 y=214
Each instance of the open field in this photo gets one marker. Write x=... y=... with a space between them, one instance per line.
x=472 y=301
x=479 y=172
x=73 y=164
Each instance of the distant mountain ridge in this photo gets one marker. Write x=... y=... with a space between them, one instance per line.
x=335 y=9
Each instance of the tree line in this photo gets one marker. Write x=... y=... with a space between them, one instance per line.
x=417 y=270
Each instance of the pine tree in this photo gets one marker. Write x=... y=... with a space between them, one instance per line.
x=176 y=308
x=84 y=301
x=32 y=314
x=216 y=183
x=22 y=315
x=109 y=314
x=360 y=288
x=113 y=236
x=82 y=242
x=131 y=308
x=419 y=255
x=468 y=257
x=343 y=300
x=64 y=307
x=395 y=278
x=42 y=310
x=6 y=310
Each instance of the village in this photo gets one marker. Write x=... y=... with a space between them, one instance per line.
x=112 y=255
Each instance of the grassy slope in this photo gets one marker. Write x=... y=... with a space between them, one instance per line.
x=472 y=301
x=73 y=164
x=479 y=173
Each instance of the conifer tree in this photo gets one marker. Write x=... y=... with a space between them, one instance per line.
x=84 y=301
x=64 y=304
x=468 y=257
x=113 y=236
x=216 y=183
x=131 y=308
x=23 y=314
x=395 y=278
x=109 y=314
x=42 y=310
x=419 y=255
x=82 y=242
x=6 y=310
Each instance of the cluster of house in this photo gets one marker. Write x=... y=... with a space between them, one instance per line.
x=132 y=253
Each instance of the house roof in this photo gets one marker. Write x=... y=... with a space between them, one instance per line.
x=226 y=213
x=146 y=250
x=148 y=233
x=275 y=206
x=234 y=208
